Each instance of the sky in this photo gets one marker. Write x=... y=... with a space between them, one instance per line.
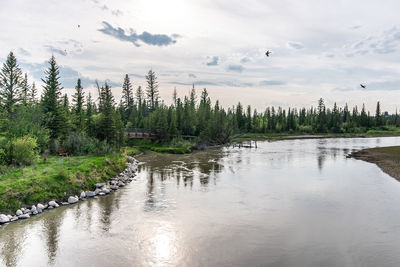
x=319 y=48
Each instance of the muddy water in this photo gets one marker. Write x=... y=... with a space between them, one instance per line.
x=286 y=203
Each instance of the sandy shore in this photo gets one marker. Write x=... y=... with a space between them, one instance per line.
x=387 y=158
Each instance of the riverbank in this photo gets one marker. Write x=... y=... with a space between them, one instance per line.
x=56 y=179
x=392 y=131
x=387 y=158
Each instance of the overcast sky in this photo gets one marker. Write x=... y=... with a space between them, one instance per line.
x=319 y=48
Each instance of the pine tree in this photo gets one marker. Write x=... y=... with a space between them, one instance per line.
x=78 y=102
x=25 y=90
x=33 y=93
x=107 y=127
x=152 y=89
x=10 y=84
x=51 y=101
x=127 y=95
x=378 y=115
x=139 y=96
x=90 y=129
x=174 y=96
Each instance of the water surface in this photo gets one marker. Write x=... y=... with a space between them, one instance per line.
x=286 y=203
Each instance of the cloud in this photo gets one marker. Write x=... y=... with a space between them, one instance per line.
x=295 y=45
x=213 y=62
x=245 y=60
x=134 y=38
x=195 y=83
x=24 y=52
x=268 y=83
x=191 y=75
x=68 y=76
x=55 y=50
x=355 y=27
x=386 y=43
x=236 y=68
x=114 y=12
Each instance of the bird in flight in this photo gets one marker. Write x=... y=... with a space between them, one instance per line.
x=79 y=26
x=267 y=53
x=362 y=85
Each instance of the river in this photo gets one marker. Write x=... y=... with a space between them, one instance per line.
x=286 y=203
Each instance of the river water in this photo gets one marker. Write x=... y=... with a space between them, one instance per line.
x=286 y=203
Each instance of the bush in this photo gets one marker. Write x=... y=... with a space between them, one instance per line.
x=3 y=157
x=23 y=150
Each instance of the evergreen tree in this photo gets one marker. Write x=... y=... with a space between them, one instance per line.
x=127 y=98
x=33 y=93
x=25 y=90
x=107 y=127
x=152 y=89
x=10 y=84
x=378 y=115
x=51 y=101
x=78 y=102
x=90 y=127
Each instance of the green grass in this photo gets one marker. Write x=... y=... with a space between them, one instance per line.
x=57 y=179
x=172 y=147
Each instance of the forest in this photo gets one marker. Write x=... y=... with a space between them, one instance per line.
x=50 y=123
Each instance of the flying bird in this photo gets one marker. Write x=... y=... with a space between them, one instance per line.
x=267 y=53
x=79 y=26
x=362 y=85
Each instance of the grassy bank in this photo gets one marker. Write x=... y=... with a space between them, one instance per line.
x=57 y=178
x=387 y=158
x=173 y=147
x=390 y=131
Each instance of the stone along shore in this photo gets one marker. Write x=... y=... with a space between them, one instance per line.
x=100 y=189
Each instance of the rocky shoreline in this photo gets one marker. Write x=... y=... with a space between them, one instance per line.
x=100 y=189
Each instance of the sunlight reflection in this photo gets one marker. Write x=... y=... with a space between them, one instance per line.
x=164 y=245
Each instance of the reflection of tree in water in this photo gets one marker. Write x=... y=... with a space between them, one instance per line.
x=51 y=228
x=10 y=242
x=107 y=207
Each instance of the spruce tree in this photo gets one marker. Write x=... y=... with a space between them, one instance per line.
x=90 y=128
x=33 y=93
x=25 y=90
x=152 y=89
x=54 y=118
x=10 y=84
x=127 y=95
x=78 y=102
x=378 y=115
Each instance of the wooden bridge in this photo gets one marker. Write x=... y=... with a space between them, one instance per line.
x=136 y=133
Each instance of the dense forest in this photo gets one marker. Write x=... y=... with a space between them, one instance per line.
x=51 y=123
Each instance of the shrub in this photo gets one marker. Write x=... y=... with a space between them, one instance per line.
x=23 y=150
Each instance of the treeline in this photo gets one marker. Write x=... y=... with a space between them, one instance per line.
x=52 y=123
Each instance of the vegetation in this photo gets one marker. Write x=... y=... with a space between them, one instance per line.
x=57 y=178
x=96 y=126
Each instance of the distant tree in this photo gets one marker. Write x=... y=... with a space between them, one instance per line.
x=127 y=94
x=152 y=89
x=10 y=84
x=107 y=127
x=378 y=115
x=25 y=90
x=78 y=102
x=174 y=96
x=33 y=93
x=90 y=109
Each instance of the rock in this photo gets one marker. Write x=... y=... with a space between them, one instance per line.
x=19 y=212
x=50 y=207
x=35 y=212
x=53 y=204
x=105 y=191
x=4 y=218
x=26 y=211
x=40 y=206
x=72 y=200
x=121 y=184
x=64 y=203
x=83 y=195
x=102 y=194
x=13 y=219
x=99 y=185
x=33 y=208
x=24 y=216
x=114 y=187
x=9 y=216
x=90 y=194
x=39 y=210
x=97 y=191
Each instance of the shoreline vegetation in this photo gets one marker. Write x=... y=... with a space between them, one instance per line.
x=386 y=158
